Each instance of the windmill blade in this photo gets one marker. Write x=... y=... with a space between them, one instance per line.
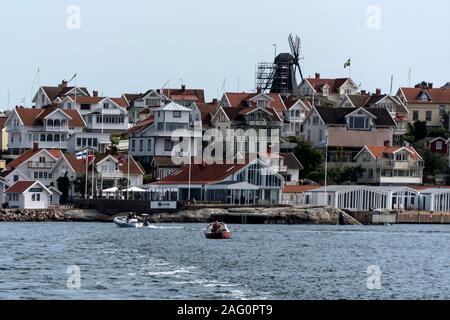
x=297 y=46
x=292 y=44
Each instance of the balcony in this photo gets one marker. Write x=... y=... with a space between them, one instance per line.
x=400 y=164
x=112 y=175
x=41 y=165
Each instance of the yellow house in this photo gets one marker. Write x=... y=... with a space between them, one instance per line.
x=4 y=133
x=426 y=103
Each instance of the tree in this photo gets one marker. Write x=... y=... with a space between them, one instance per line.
x=418 y=130
x=344 y=174
x=80 y=184
x=434 y=164
x=312 y=159
x=63 y=187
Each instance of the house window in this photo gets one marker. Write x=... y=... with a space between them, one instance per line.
x=315 y=120
x=428 y=115
x=94 y=142
x=348 y=91
x=85 y=107
x=415 y=115
x=168 y=145
x=438 y=145
x=36 y=197
x=16 y=178
x=442 y=110
x=133 y=145
x=78 y=142
x=41 y=159
x=141 y=145
x=325 y=91
x=370 y=173
x=359 y=123
x=177 y=114
x=149 y=145
x=106 y=106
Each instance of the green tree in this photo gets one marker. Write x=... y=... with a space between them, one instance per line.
x=344 y=174
x=311 y=159
x=79 y=185
x=418 y=130
x=63 y=187
x=434 y=163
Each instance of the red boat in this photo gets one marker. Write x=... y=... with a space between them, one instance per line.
x=217 y=230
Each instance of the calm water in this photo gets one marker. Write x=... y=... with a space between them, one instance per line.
x=261 y=261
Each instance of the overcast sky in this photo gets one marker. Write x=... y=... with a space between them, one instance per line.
x=135 y=45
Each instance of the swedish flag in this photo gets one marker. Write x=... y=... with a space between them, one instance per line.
x=347 y=64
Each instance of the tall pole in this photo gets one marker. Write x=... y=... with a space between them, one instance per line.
x=86 y=176
x=93 y=166
x=326 y=169
x=128 y=172
x=190 y=165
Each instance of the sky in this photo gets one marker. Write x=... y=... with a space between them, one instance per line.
x=135 y=45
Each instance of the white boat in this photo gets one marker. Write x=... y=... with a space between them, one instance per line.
x=123 y=222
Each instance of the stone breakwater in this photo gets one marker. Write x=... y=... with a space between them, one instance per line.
x=51 y=215
x=284 y=215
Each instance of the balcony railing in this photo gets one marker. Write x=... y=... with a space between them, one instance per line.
x=112 y=175
x=393 y=163
x=57 y=128
x=41 y=165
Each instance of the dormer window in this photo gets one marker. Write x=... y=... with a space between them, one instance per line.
x=401 y=157
x=261 y=103
x=325 y=91
x=359 y=123
x=106 y=106
x=424 y=97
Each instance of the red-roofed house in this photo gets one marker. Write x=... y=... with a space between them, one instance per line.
x=390 y=165
x=29 y=195
x=332 y=89
x=294 y=116
x=50 y=128
x=254 y=100
x=249 y=183
x=426 y=103
x=49 y=95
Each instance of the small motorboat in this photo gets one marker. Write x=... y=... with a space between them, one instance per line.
x=125 y=222
x=217 y=230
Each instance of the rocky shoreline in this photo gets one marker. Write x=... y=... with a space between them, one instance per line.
x=282 y=215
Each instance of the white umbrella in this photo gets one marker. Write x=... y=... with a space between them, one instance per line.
x=113 y=189
x=134 y=189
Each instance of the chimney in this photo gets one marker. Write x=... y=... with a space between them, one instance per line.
x=183 y=87
x=363 y=92
x=387 y=143
x=63 y=84
x=317 y=75
x=378 y=91
x=430 y=85
x=214 y=102
x=95 y=93
x=35 y=145
x=258 y=89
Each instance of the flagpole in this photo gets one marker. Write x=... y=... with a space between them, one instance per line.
x=86 y=176
x=93 y=165
x=190 y=166
x=326 y=169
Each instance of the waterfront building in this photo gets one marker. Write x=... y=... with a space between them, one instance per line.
x=396 y=108
x=49 y=128
x=30 y=195
x=366 y=198
x=296 y=195
x=435 y=199
x=253 y=182
x=390 y=165
x=344 y=131
x=426 y=103
x=333 y=90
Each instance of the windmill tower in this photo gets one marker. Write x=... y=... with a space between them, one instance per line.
x=281 y=75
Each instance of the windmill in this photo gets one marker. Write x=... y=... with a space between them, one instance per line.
x=280 y=76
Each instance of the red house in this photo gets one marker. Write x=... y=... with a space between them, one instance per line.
x=437 y=145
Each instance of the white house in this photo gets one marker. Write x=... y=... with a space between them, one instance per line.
x=295 y=114
x=49 y=128
x=28 y=195
x=151 y=99
x=297 y=195
x=49 y=95
x=152 y=137
x=384 y=165
x=101 y=114
x=333 y=90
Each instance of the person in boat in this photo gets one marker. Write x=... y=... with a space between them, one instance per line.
x=129 y=216
x=215 y=227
